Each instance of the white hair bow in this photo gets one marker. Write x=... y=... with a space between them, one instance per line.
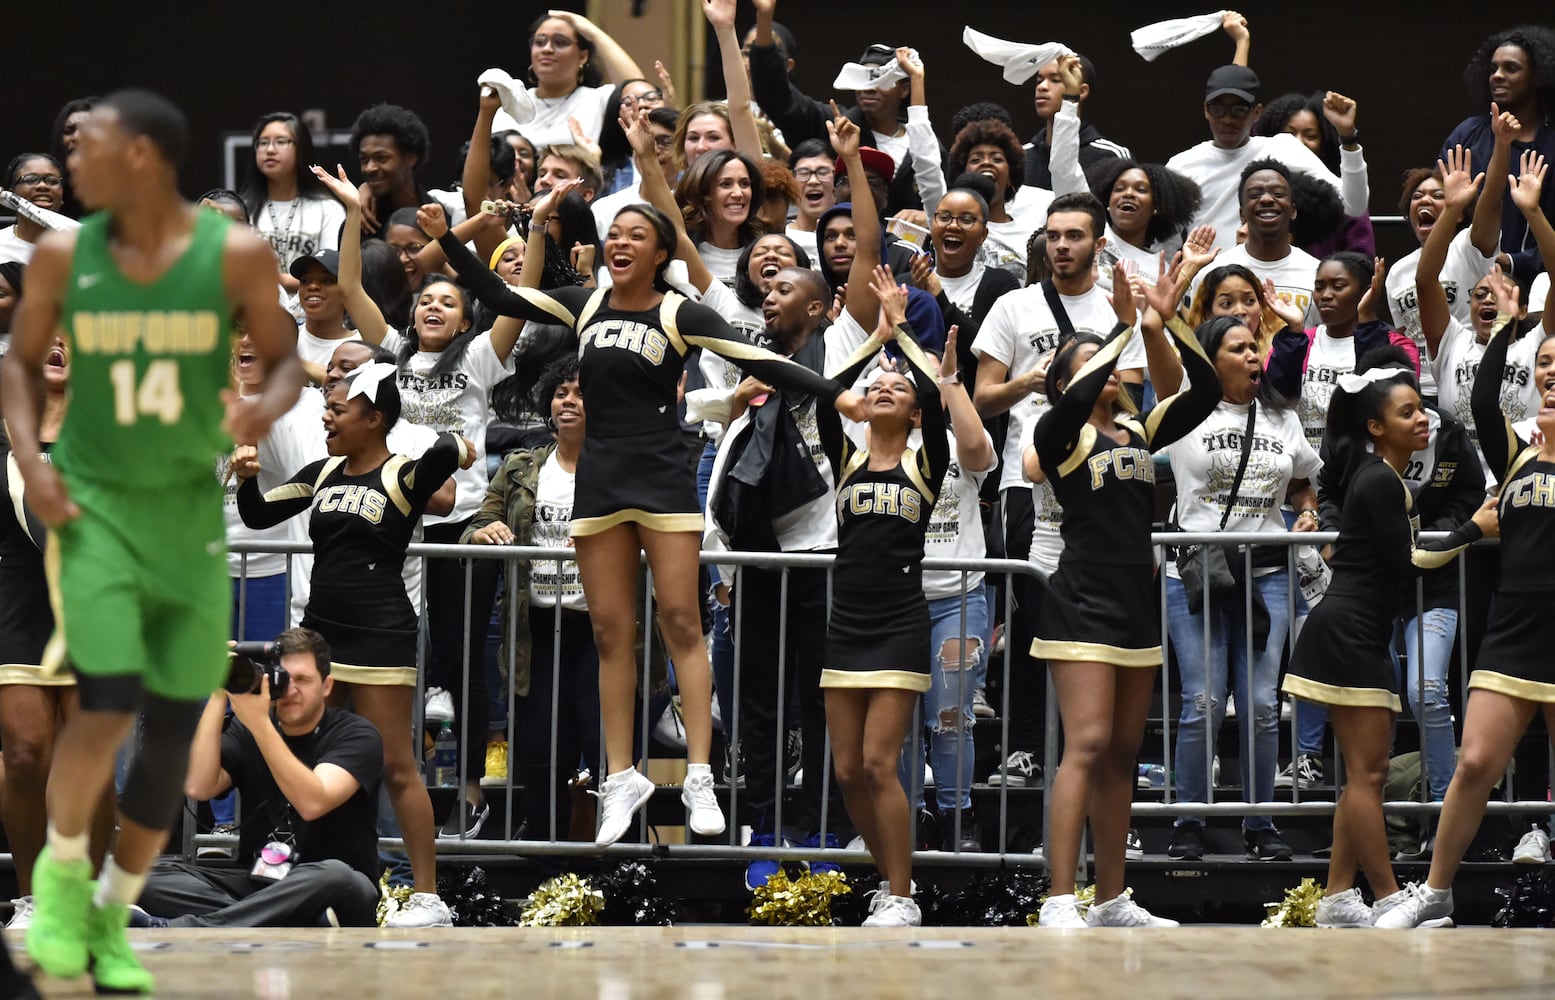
x=1154 y=39
x=366 y=379
x=857 y=76
x=1353 y=383
x=518 y=107
x=1019 y=59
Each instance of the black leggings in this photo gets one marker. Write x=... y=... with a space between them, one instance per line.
x=573 y=679
x=448 y=630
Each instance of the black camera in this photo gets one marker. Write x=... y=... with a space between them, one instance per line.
x=248 y=663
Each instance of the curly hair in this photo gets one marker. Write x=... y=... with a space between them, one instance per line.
x=696 y=187
x=1413 y=178
x=988 y=132
x=1278 y=113
x=1539 y=44
x=980 y=111
x=402 y=124
x=1176 y=197
x=1319 y=209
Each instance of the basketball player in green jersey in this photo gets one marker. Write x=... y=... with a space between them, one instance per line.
x=147 y=293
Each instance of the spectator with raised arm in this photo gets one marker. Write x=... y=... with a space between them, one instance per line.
x=1515 y=69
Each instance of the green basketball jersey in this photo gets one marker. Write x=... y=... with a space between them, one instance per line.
x=147 y=363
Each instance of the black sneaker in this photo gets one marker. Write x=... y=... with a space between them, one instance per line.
x=1134 y=849
x=474 y=816
x=1188 y=843
x=1266 y=845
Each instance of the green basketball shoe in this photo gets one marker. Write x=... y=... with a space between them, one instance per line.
x=62 y=896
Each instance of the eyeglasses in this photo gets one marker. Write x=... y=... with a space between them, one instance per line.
x=817 y=173
x=663 y=141
x=281 y=143
x=409 y=249
x=647 y=97
x=557 y=42
x=966 y=219
x=51 y=180
x=1482 y=294
x=1237 y=111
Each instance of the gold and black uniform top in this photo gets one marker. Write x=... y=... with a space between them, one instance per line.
x=1107 y=487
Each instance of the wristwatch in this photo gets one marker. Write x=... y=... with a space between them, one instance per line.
x=1309 y=512
x=1353 y=139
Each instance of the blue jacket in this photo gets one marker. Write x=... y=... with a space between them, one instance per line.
x=1474 y=134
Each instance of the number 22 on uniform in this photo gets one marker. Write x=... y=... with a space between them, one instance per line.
x=157 y=394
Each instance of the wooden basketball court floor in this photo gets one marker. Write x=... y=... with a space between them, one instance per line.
x=723 y=962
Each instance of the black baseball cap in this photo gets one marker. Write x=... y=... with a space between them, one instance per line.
x=328 y=259
x=1238 y=80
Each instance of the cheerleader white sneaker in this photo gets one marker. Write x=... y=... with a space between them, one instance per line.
x=624 y=793
x=1345 y=909
x=1061 y=913
x=703 y=814
x=1533 y=849
x=422 y=909
x=1422 y=906
x=1121 y=911
x=894 y=911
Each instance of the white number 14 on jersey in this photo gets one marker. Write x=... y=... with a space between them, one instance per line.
x=157 y=395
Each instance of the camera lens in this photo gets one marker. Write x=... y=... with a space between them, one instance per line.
x=279 y=681
x=243 y=674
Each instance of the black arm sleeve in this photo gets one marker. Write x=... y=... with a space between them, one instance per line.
x=1176 y=415
x=934 y=454
x=1058 y=429
x=1497 y=440
x=796 y=116
x=1287 y=361
x=1330 y=487
x=266 y=510
x=1466 y=490
x=425 y=476
x=701 y=327
x=559 y=305
x=1384 y=499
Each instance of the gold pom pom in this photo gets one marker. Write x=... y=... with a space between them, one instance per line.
x=1297 y=909
x=564 y=901
x=391 y=898
x=803 y=902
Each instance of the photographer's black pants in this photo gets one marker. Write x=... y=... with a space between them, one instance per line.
x=199 y=896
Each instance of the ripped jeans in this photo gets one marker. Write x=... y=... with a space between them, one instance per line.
x=1429 y=704
x=947 y=704
x=1206 y=674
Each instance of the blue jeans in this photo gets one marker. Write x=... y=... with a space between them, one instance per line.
x=947 y=704
x=1205 y=676
x=1429 y=703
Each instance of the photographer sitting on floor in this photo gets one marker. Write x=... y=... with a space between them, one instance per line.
x=307 y=778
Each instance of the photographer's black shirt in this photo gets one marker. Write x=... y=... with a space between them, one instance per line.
x=348 y=832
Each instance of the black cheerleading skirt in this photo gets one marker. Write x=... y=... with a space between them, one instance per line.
x=361 y=654
x=1517 y=657
x=26 y=624
x=1095 y=613
x=1341 y=657
x=878 y=636
x=640 y=478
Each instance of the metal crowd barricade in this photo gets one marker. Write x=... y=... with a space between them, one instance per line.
x=731 y=847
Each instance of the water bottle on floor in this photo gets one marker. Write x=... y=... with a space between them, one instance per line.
x=445 y=758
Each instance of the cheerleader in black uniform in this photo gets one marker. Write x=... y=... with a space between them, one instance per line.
x=877 y=643
x=635 y=493
x=365 y=505
x=1514 y=677
x=35 y=704
x=1341 y=659
x=1099 y=629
